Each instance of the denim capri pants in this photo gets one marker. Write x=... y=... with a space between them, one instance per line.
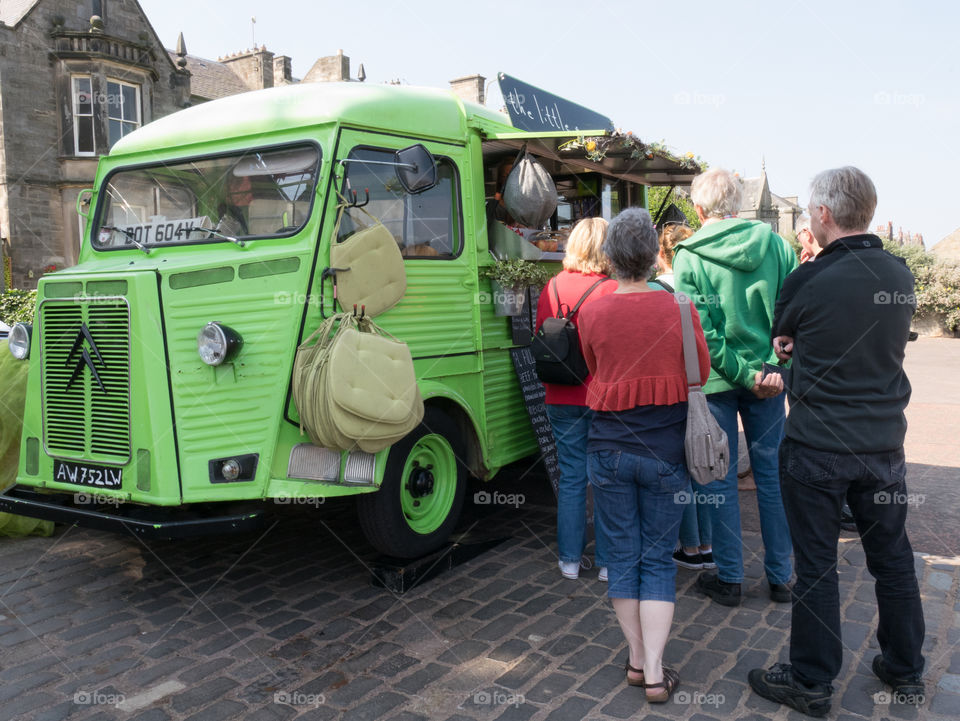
x=639 y=503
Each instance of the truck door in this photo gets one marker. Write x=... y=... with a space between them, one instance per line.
x=438 y=315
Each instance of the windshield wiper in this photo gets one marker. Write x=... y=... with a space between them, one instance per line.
x=217 y=234
x=131 y=236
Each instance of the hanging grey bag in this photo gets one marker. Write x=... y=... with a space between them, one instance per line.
x=530 y=195
x=706 y=446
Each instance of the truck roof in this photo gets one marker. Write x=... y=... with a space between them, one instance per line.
x=424 y=112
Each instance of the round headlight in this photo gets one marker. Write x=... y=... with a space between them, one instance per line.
x=217 y=344
x=19 y=341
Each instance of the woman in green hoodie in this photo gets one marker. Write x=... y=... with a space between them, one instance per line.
x=733 y=269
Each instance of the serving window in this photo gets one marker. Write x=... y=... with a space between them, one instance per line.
x=424 y=225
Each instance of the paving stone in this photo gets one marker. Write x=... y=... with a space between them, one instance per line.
x=220 y=711
x=498 y=628
x=585 y=659
x=541 y=629
x=594 y=622
x=353 y=691
x=291 y=629
x=675 y=652
x=854 y=634
x=457 y=609
x=629 y=702
x=695 y=631
x=728 y=639
x=573 y=709
x=272 y=712
x=154 y=714
x=377 y=707
x=526 y=669
x=566 y=644
x=518 y=712
x=421 y=678
x=492 y=609
x=601 y=683
x=858 y=697
x=611 y=637
x=767 y=639
x=509 y=650
x=395 y=664
x=365 y=660
x=549 y=688
x=862 y=612
x=201 y=671
x=203 y=694
x=463 y=652
x=494 y=589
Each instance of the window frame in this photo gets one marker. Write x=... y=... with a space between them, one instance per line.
x=74 y=114
x=139 y=105
x=102 y=194
x=456 y=203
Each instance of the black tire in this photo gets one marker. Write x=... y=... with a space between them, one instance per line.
x=419 y=502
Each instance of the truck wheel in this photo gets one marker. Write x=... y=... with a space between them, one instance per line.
x=419 y=501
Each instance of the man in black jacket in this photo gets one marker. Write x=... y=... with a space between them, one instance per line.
x=845 y=321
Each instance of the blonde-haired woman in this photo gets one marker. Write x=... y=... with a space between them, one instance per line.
x=584 y=265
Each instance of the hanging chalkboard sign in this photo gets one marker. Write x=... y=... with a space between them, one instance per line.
x=533 y=398
x=534 y=109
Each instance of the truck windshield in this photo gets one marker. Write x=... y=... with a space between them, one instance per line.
x=255 y=194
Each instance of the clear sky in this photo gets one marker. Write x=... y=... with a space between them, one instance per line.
x=804 y=85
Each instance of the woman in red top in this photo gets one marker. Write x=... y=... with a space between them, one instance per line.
x=584 y=264
x=633 y=346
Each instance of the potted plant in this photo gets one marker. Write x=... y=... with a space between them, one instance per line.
x=510 y=279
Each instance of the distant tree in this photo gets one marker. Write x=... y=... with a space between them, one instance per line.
x=655 y=196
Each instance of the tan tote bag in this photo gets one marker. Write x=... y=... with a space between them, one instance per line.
x=706 y=445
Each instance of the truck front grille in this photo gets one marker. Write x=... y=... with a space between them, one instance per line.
x=85 y=351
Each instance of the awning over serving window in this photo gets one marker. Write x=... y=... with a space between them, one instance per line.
x=609 y=153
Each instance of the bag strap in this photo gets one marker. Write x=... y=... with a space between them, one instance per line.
x=690 y=357
x=573 y=312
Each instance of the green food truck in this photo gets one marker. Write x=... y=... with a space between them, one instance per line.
x=159 y=397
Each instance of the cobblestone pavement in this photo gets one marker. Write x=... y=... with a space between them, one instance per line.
x=284 y=623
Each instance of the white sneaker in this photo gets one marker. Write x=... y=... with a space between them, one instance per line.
x=602 y=576
x=570 y=570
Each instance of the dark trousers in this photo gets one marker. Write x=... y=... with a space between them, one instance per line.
x=814 y=485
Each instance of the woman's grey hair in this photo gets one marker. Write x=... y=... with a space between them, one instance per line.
x=719 y=192
x=850 y=195
x=632 y=244
x=802 y=224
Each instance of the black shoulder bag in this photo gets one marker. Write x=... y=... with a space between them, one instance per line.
x=556 y=345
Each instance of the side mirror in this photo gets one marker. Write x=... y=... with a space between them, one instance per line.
x=416 y=168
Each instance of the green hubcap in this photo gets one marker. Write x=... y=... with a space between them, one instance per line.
x=429 y=484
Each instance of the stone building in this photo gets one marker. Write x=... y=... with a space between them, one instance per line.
x=885 y=231
x=75 y=76
x=759 y=203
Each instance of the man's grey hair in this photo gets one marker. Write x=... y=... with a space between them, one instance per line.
x=802 y=224
x=719 y=192
x=850 y=195
x=632 y=244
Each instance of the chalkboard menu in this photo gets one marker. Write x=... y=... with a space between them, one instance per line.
x=533 y=398
x=534 y=109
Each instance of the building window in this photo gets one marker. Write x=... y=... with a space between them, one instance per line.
x=120 y=105
x=83 y=116
x=123 y=109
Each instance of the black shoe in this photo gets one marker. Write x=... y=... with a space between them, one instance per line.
x=726 y=594
x=906 y=690
x=707 y=558
x=683 y=559
x=779 y=685
x=847 y=522
x=780 y=593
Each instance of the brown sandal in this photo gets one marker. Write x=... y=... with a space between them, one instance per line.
x=630 y=669
x=671 y=679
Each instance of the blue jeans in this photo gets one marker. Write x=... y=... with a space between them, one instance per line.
x=815 y=485
x=570 y=427
x=639 y=505
x=763 y=427
x=696 y=528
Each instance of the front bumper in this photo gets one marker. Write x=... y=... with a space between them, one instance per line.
x=153 y=522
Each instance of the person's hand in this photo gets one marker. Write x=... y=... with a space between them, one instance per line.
x=767 y=386
x=783 y=347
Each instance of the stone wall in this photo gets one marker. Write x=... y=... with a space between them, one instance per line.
x=40 y=173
